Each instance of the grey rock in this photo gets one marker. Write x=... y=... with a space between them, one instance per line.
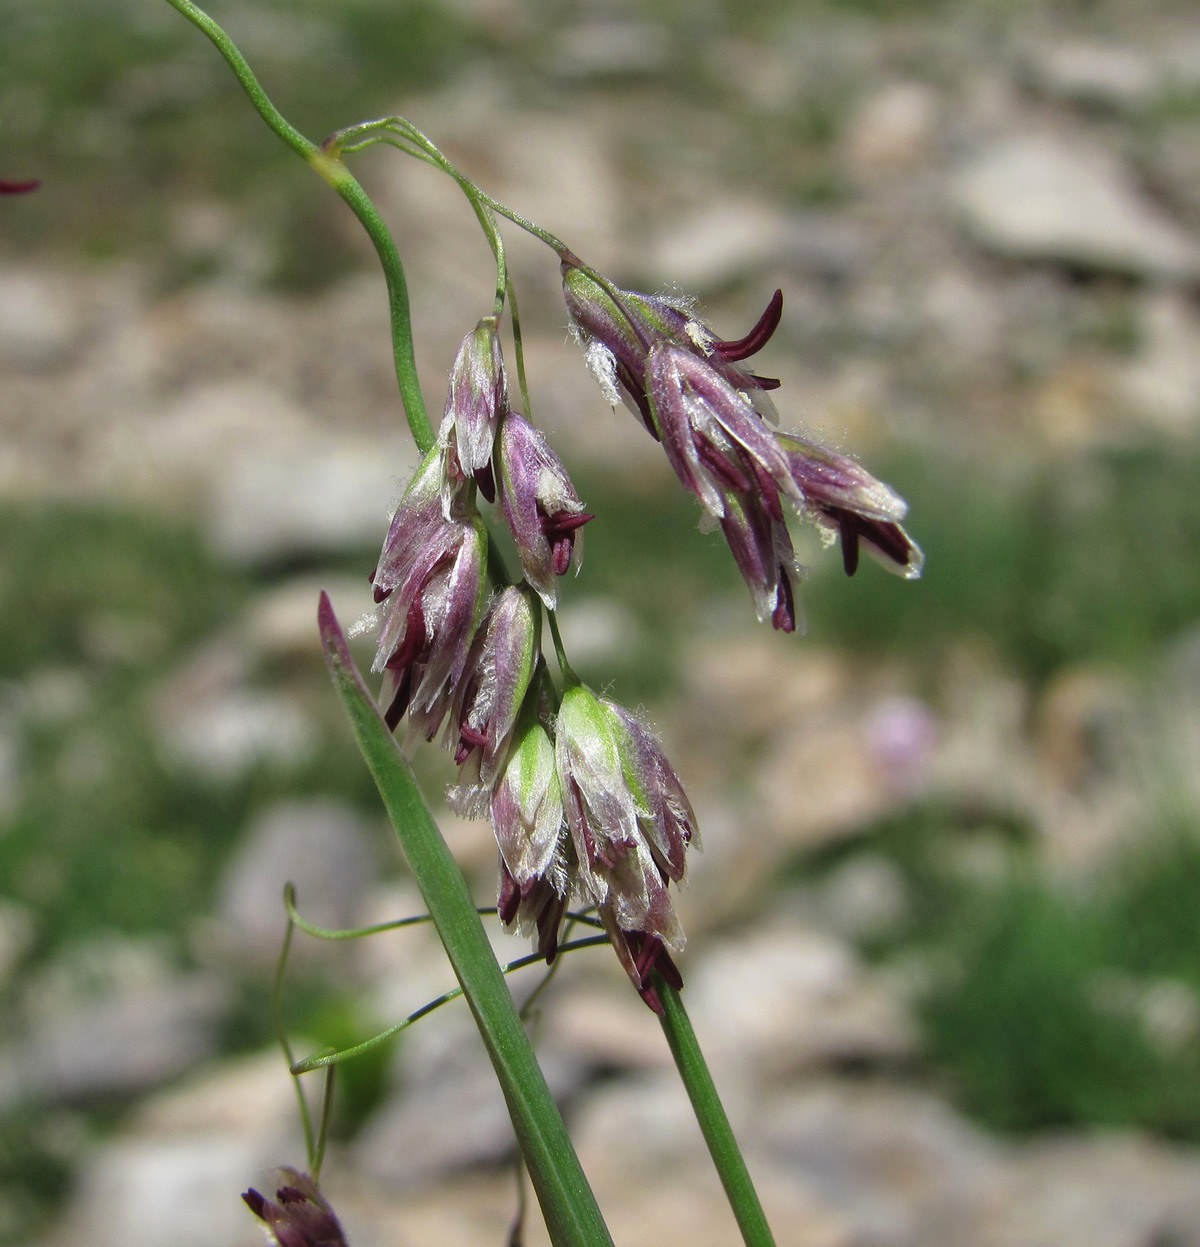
x=900 y=1166
x=1161 y=384
x=134 y=1039
x=609 y=1032
x=825 y=246
x=176 y=454
x=1116 y=1191
x=609 y=47
x=892 y=130
x=147 y=1192
x=174 y=1172
x=720 y=243
x=864 y=897
x=786 y=998
x=599 y=630
x=1041 y=197
x=323 y=847
x=231 y=730
x=822 y=781
x=1113 y=76
x=318 y=495
x=448 y=1099
x=960 y=312
x=282 y=621
x=40 y=321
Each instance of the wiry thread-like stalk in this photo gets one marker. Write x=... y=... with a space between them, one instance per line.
x=343 y=181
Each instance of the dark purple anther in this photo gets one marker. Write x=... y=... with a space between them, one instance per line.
x=783 y=617
x=758 y=337
x=560 y=530
x=485 y=478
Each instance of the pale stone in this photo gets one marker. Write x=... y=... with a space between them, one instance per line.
x=1106 y=75
x=892 y=130
x=40 y=322
x=1039 y=197
x=323 y=847
x=787 y=998
x=1161 y=384
x=719 y=242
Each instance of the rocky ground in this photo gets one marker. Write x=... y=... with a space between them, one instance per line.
x=986 y=222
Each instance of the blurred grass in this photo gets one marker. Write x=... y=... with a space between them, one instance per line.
x=1037 y=1001
x=1087 y=559
x=105 y=832
x=1078 y=560
x=126 y=111
x=1028 y=1034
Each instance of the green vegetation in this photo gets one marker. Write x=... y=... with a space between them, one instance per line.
x=1039 y=1009
x=1082 y=559
x=104 y=831
x=125 y=114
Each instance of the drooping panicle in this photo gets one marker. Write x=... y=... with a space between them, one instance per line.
x=477 y=398
x=692 y=393
x=540 y=505
x=298 y=1215
x=630 y=824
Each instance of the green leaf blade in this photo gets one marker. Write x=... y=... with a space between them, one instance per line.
x=572 y=1215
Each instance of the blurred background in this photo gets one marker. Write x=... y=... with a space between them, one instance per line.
x=945 y=937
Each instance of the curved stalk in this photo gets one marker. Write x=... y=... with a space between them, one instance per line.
x=343 y=181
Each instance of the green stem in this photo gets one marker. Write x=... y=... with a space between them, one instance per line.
x=714 y=1124
x=572 y=1216
x=323 y=1060
x=342 y=180
x=560 y=652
